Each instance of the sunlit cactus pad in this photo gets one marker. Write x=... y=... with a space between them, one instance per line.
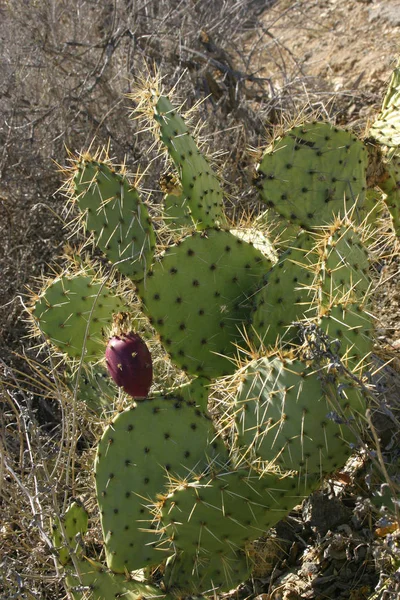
x=199 y=183
x=386 y=128
x=313 y=172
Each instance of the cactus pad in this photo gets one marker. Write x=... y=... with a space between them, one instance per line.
x=221 y=572
x=65 y=308
x=312 y=173
x=74 y=522
x=351 y=325
x=391 y=187
x=343 y=268
x=217 y=517
x=176 y=213
x=197 y=298
x=286 y=294
x=96 y=389
x=281 y=415
x=114 y=213
x=200 y=185
x=386 y=128
x=139 y=453
x=94 y=582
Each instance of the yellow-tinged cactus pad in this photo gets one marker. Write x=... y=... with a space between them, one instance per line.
x=73 y=311
x=313 y=173
x=197 y=298
x=386 y=128
x=391 y=188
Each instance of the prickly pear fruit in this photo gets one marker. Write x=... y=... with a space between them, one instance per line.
x=129 y=363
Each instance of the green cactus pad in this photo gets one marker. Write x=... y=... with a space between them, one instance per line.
x=314 y=172
x=74 y=522
x=343 y=268
x=282 y=416
x=386 y=128
x=197 y=298
x=222 y=572
x=217 y=516
x=200 y=184
x=280 y=230
x=94 y=582
x=194 y=392
x=96 y=389
x=351 y=325
x=391 y=187
x=114 y=213
x=286 y=294
x=64 y=308
x=142 y=450
x=176 y=213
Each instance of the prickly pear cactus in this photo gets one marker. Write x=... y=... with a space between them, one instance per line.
x=182 y=490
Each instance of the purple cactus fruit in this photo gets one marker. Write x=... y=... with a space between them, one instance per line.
x=128 y=362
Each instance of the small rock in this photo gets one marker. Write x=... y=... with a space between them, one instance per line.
x=324 y=513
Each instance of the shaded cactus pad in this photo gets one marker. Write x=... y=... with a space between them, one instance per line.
x=65 y=308
x=281 y=414
x=95 y=582
x=312 y=173
x=139 y=453
x=114 y=213
x=197 y=298
x=210 y=520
